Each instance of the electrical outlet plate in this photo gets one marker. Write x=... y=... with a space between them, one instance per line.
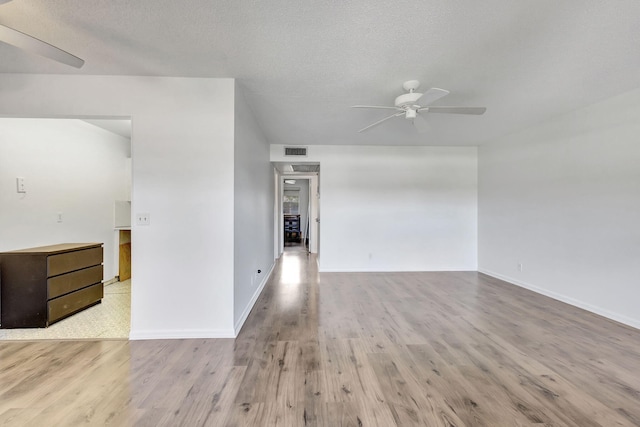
x=143 y=219
x=20 y=184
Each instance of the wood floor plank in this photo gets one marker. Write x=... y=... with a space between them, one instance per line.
x=347 y=349
x=409 y=402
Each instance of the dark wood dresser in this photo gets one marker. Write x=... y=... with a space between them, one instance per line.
x=39 y=286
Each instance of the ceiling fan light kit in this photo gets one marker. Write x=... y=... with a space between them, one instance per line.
x=412 y=103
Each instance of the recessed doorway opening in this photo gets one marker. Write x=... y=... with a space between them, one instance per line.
x=76 y=177
x=297 y=208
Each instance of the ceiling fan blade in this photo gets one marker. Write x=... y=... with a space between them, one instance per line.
x=421 y=124
x=432 y=95
x=455 y=110
x=383 y=120
x=375 y=106
x=34 y=45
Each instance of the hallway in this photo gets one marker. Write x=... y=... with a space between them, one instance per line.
x=347 y=349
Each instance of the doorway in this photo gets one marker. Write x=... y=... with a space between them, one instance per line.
x=296 y=213
x=77 y=178
x=297 y=208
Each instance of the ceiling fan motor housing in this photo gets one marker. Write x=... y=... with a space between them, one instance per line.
x=407 y=99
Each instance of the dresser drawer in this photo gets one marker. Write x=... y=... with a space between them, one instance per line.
x=70 y=303
x=65 y=283
x=75 y=260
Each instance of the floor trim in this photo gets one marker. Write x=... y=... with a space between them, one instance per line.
x=252 y=302
x=170 y=334
x=111 y=281
x=568 y=300
x=382 y=270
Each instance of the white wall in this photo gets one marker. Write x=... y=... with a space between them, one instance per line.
x=396 y=208
x=563 y=199
x=182 y=150
x=253 y=210
x=69 y=166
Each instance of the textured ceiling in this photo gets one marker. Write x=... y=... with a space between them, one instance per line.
x=302 y=64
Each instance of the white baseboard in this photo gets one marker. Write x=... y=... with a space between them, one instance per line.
x=372 y=270
x=204 y=333
x=169 y=334
x=110 y=281
x=634 y=323
x=252 y=302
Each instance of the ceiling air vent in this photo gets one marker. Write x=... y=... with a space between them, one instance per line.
x=305 y=168
x=295 y=151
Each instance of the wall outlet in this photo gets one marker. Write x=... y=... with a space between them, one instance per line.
x=519 y=266
x=143 y=219
x=20 y=185
x=59 y=216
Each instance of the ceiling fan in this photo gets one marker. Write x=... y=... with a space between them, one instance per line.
x=34 y=45
x=412 y=104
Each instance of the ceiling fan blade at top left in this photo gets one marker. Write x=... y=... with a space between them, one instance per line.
x=34 y=45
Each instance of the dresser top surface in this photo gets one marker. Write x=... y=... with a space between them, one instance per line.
x=54 y=249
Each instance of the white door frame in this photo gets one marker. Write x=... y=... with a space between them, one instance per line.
x=314 y=216
x=277 y=214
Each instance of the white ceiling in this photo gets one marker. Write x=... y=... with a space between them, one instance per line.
x=303 y=63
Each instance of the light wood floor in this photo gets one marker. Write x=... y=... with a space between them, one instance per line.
x=376 y=349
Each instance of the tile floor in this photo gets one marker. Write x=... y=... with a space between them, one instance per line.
x=110 y=319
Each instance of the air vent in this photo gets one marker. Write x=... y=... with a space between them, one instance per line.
x=295 y=151
x=305 y=168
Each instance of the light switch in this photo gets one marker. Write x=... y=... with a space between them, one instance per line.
x=143 y=219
